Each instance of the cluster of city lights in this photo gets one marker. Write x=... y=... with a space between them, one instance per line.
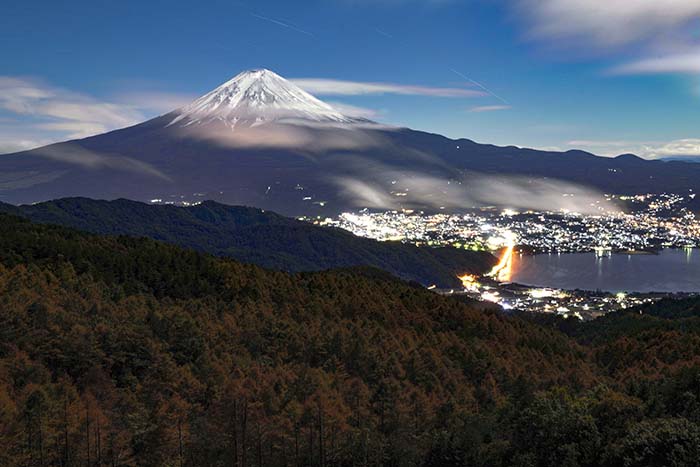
x=648 y=222
x=652 y=221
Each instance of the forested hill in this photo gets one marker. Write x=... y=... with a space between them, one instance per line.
x=130 y=352
x=259 y=237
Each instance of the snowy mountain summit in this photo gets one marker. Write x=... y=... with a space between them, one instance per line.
x=255 y=97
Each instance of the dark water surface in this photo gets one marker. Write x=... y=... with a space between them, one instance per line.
x=670 y=271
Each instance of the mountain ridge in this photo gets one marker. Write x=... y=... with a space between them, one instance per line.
x=299 y=166
x=259 y=237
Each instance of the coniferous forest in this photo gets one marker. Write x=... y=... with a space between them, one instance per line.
x=117 y=351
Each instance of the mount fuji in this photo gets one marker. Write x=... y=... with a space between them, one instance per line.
x=254 y=98
x=260 y=140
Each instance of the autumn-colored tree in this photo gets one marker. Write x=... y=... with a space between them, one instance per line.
x=126 y=352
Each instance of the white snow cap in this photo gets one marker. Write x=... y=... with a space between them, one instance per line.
x=255 y=97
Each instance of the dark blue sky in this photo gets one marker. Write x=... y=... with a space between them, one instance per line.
x=553 y=73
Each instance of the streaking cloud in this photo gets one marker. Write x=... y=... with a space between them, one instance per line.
x=680 y=63
x=606 y=23
x=645 y=149
x=336 y=87
x=75 y=155
x=489 y=108
x=396 y=189
x=38 y=113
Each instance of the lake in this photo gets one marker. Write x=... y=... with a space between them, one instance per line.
x=670 y=271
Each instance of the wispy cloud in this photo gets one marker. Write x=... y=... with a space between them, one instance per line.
x=607 y=23
x=334 y=87
x=681 y=63
x=309 y=138
x=392 y=188
x=77 y=155
x=155 y=101
x=645 y=149
x=33 y=98
x=660 y=33
x=354 y=110
x=15 y=142
x=579 y=143
x=38 y=113
x=73 y=129
x=489 y=108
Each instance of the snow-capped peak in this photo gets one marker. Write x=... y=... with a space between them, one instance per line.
x=255 y=97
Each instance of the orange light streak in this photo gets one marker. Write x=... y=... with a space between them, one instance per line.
x=468 y=281
x=502 y=271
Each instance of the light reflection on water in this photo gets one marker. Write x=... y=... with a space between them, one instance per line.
x=676 y=270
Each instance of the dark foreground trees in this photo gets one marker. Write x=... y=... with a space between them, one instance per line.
x=126 y=352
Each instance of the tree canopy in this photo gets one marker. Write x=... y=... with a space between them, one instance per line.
x=126 y=351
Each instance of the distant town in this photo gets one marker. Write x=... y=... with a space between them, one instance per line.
x=581 y=304
x=644 y=224
x=649 y=222
x=630 y=224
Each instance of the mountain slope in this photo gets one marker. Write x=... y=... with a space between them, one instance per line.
x=254 y=236
x=143 y=337
x=132 y=352
x=259 y=140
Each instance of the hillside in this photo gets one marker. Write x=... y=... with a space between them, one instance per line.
x=258 y=237
x=124 y=351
